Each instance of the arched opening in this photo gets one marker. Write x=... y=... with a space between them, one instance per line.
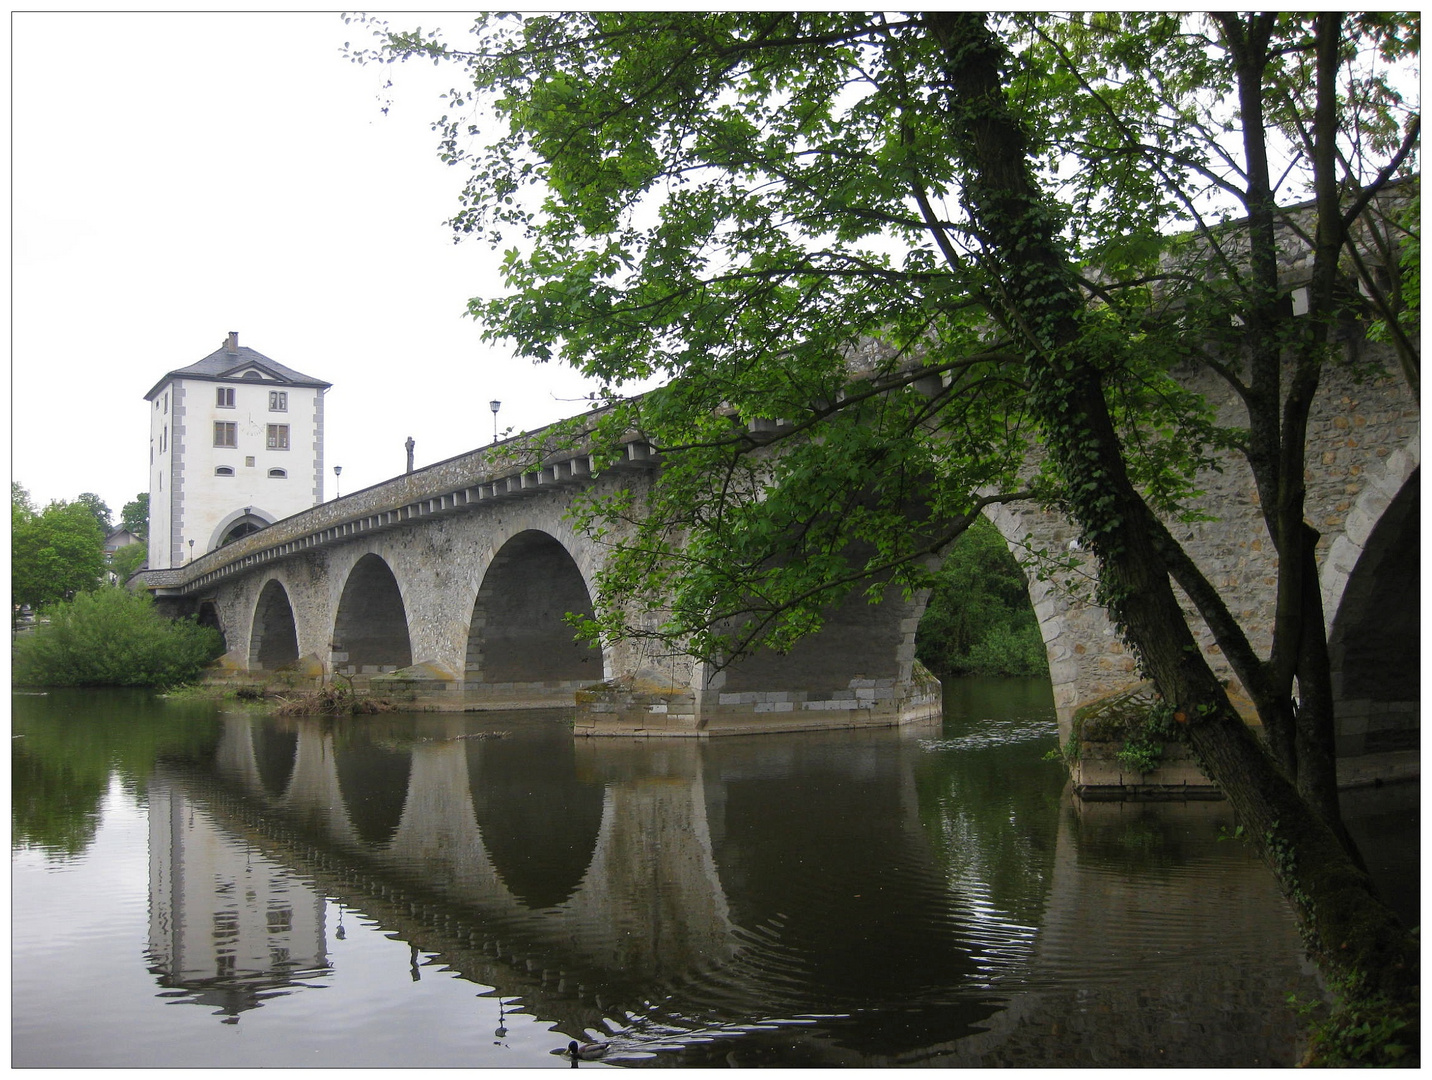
x=860 y=659
x=519 y=632
x=274 y=641
x=370 y=634
x=237 y=525
x=1375 y=641
x=208 y=615
x=243 y=528
x=979 y=619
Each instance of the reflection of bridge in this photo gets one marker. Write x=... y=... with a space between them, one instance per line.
x=681 y=887
x=580 y=865
x=458 y=577
x=578 y=874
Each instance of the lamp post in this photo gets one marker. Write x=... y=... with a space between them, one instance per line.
x=337 y=473
x=494 y=406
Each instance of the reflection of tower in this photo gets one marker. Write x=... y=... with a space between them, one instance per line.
x=224 y=921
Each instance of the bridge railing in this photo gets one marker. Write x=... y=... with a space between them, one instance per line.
x=514 y=468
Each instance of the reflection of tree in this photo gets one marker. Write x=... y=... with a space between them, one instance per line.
x=54 y=805
x=988 y=799
x=67 y=743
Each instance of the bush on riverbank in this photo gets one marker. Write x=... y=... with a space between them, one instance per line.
x=979 y=620
x=112 y=637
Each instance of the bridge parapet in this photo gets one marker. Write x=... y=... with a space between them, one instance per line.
x=515 y=468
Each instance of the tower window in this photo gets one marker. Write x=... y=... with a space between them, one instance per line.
x=278 y=401
x=224 y=470
x=226 y=433
x=278 y=474
x=278 y=436
x=225 y=397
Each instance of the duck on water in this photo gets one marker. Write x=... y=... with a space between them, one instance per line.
x=584 y=1051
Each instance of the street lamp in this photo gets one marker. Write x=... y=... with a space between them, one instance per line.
x=494 y=406
x=337 y=472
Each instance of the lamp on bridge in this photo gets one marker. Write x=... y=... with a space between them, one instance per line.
x=337 y=472
x=494 y=406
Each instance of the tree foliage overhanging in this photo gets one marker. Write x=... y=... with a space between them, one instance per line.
x=793 y=218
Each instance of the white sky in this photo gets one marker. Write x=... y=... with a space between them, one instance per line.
x=176 y=176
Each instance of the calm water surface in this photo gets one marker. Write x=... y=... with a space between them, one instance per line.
x=197 y=887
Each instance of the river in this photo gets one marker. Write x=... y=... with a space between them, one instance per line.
x=196 y=885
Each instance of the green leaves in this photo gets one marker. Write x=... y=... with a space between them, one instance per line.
x=55 y=553
x=774 y=213
x=113 y=637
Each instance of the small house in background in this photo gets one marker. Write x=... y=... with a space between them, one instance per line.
x=118 y=539
x=235 y=444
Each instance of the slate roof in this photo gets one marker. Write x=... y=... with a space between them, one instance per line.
x=220 y=365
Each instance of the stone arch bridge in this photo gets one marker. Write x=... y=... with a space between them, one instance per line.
x=453 y=581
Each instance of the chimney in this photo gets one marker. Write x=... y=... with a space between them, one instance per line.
x=232 y=345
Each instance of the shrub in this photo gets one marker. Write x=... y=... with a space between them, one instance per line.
x=979 y=620
x=113 y=637
x=1010 y=648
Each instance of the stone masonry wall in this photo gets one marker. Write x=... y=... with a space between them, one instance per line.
x=1363 y=446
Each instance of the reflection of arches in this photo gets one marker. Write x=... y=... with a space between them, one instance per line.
x=274 y=641
x=1374 y=640
x=519 y=631
x=370 y=633
x=848 y=815
x=539 y=822
x=275 y=753
x=374 y=782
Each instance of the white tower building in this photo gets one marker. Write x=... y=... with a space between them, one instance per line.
x=235 y=443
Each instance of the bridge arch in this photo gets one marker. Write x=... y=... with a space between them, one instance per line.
x=1388 y=482
x=518 y=631
x=370 y=630
x=273 y=641
x=1077 y=635
x=1374 y=632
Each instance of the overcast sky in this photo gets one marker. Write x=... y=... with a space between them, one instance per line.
x=179 y=176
